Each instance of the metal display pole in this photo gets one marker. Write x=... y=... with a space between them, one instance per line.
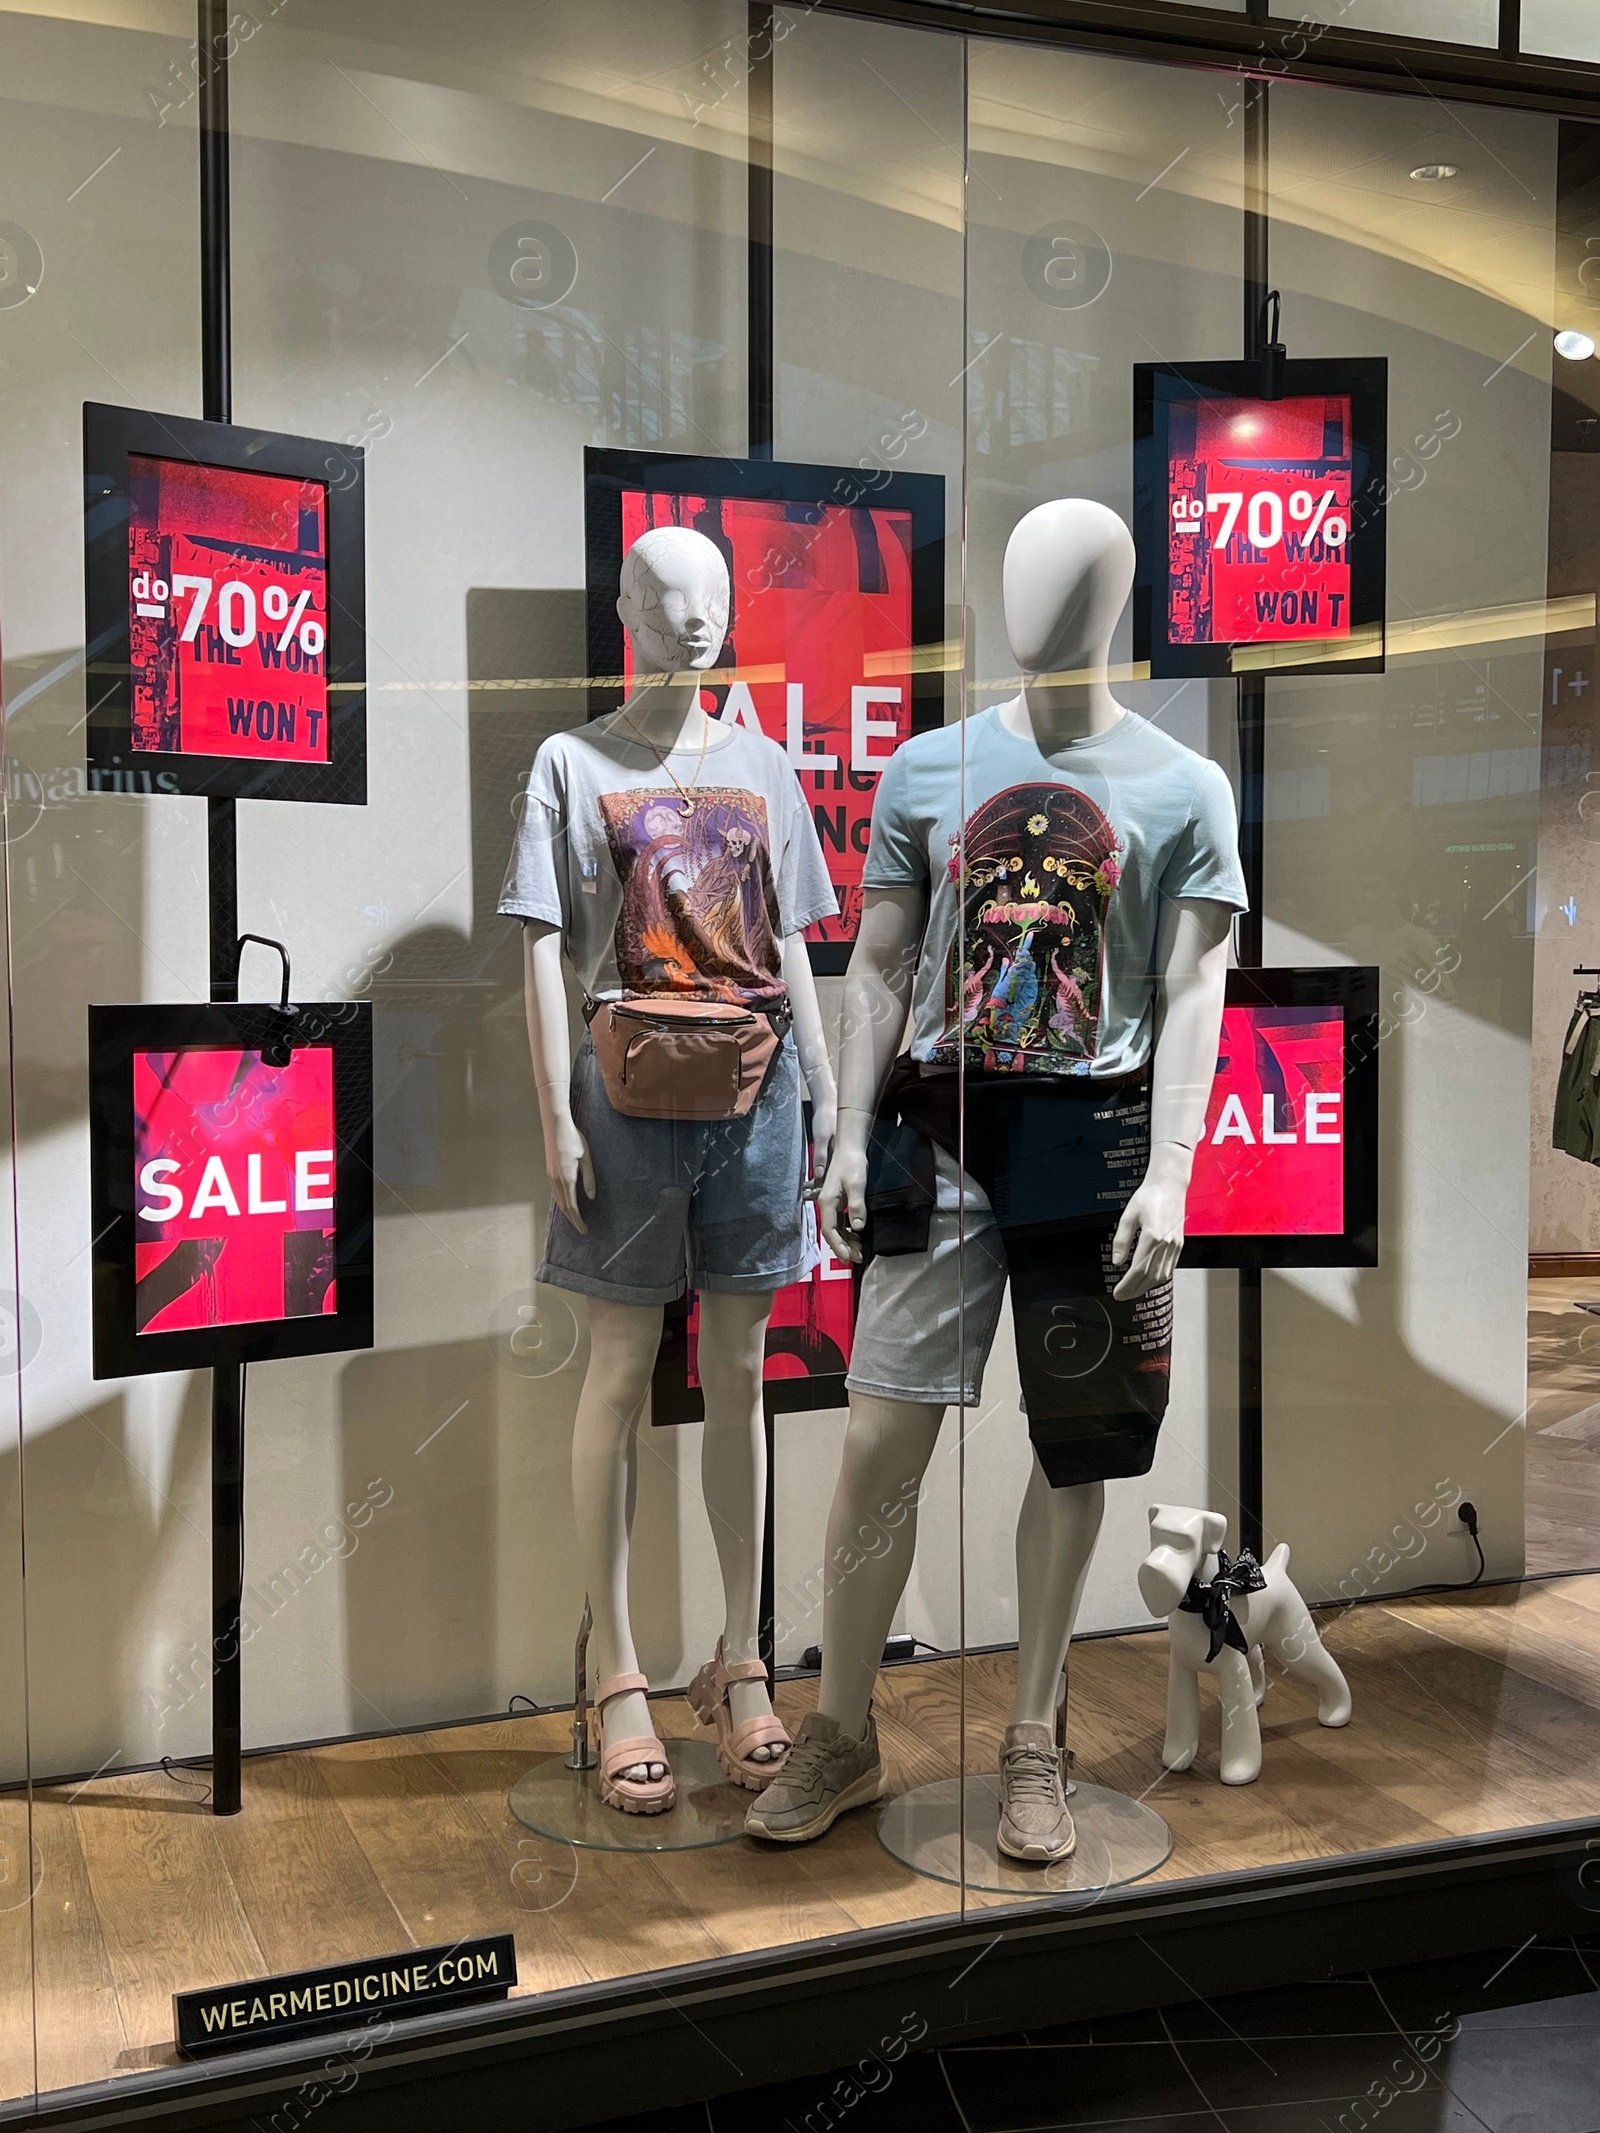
x=227 y=1379
x=1252 y=723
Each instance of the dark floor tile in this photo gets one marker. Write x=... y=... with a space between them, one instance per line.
x=689 y=2118
x=1272 y=2073
x=1346 y=2007
x=1067 y=2085
x=1426 y=1994
x=910 y=2096
x=1530 y=2078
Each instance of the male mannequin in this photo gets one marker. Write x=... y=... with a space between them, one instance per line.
x=1163 y=955
x=668 y=835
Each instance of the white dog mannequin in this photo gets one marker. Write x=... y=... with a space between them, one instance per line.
x=1184 y=1547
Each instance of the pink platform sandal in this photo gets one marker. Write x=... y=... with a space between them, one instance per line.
x=708 y=1698
x=632 y=1796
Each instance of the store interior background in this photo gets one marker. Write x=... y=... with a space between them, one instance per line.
x=378 y=153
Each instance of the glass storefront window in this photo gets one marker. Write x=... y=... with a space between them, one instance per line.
x=752 y=435
x=1560 y=29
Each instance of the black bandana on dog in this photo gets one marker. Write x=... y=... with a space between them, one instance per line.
x=1214 y=1602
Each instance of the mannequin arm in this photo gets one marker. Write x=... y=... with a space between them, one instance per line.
x=1192 y=957
x=566 y=1153
x=877 y=992
x=810 y=1042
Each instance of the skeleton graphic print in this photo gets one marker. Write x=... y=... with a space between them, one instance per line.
x=1035 y=870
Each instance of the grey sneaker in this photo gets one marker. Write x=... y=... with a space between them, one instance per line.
x=1034 y=1822
x=826 y=1773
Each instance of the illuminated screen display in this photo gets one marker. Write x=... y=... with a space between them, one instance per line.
x=836 y=579
x=230 y=1183
x=1258 y=502
x=233 y=1188
x=1259 y=523
x=1272 y=1160
x=227 y=612
x=820 y=630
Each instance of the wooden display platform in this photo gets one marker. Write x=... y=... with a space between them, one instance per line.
x=1473 y=1715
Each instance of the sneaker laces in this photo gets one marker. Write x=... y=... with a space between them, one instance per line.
x=806 y=1761
x=1031 y=1773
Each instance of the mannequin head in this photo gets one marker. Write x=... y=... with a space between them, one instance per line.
x=674 y=601
x=1068 y=574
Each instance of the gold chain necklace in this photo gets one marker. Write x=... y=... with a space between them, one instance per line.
x=661 y=756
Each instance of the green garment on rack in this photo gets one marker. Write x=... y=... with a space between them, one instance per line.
x=1576 y=1128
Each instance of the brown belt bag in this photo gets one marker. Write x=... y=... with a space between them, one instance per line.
x=662 y=1057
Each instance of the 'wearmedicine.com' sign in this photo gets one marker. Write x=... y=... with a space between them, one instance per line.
x=268 y=2010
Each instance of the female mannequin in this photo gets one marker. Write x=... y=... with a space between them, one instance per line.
x=1068 y=572
x=673 y=900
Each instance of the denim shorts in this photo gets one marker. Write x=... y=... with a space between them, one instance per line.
x=684 y=1203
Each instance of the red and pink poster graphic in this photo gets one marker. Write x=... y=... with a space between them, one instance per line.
x=820 y=631
x=1258 y=517
x=234 y=1187
x=227 y=612
x=1271 y=1163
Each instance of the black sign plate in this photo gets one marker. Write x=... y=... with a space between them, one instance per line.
x=267 y=2010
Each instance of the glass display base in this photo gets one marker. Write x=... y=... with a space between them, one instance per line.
x=554 y=1801
x=1119 y=1840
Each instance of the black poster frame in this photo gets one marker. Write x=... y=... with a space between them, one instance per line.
x=110 y=436
x=608 y=473
x=115 y=1035
x=1354 y=989
x=1157 y=388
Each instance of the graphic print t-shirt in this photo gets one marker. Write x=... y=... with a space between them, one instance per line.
x=655 y=893
x=1044 y=903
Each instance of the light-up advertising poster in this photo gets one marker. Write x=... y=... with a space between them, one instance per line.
x=820 y=629
x=234 y=1187
x=1259 y=516
x=227 y=613
x=1272 y=1161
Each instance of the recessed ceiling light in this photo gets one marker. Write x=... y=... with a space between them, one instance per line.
x=1576 y=347
x=1431 y=173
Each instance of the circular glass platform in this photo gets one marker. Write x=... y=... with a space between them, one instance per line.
x=554 y=1801
x=1119 y=1840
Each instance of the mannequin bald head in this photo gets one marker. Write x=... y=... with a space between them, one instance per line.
x=1068 y=574
x=673 y=601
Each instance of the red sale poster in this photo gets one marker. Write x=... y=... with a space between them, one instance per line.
x=1271 y=1163
x=234 y=1187
x=1259 y=520
x=227 y=612
x=820 y=629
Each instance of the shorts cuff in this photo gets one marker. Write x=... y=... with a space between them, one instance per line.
x=922 y=1394
x=746 y=1284
x=562 y=1277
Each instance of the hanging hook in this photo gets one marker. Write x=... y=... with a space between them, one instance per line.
x=1273 y=352
x=275 y=1052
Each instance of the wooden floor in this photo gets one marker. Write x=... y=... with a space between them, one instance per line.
x=1563 y=1448
x=1473 y=1714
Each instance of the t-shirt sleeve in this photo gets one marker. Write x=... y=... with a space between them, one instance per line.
x=805 y=893
x=536 y=881
x=896 y=856
x=1205 y=861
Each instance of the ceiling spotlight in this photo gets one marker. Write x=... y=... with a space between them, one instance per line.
x=1431 y=173
x=1576 y=347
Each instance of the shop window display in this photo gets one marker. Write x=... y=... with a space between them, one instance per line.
x=870 y=885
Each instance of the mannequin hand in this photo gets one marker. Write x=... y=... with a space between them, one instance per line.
x=843 y=1207
x=824 y=1125
x=1150 y=1235
x=567 y=1161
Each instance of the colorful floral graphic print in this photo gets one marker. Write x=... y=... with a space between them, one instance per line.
x=699 y=910
x=1036 y=868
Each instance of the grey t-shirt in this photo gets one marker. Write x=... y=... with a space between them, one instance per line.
x=654 y=893
x=1044 y=905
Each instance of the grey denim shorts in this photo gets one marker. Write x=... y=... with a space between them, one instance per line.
x=684 y=1203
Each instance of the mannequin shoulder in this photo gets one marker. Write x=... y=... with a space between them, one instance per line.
x=1158 y=749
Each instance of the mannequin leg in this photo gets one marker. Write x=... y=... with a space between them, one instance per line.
x=733 y=1478
x=623 y=1340
x=1056 y=1533
x=886 y=1452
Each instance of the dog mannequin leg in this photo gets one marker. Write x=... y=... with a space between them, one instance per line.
x=1304 y=1655
x=1182 y=1743
x=1258 y=1674
x=1241 y=1729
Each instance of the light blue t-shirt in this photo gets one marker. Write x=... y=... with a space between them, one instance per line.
x=1045 y=902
